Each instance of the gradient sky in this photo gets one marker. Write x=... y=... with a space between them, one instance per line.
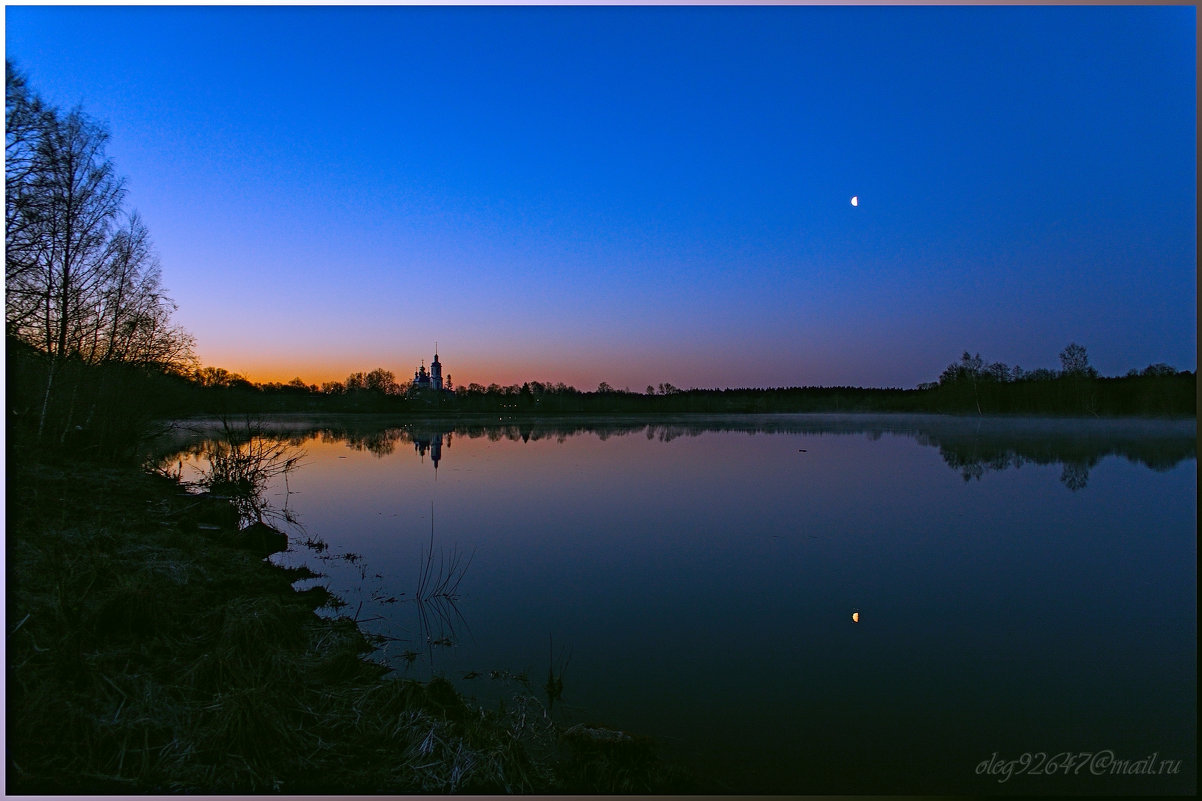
x=639 y=195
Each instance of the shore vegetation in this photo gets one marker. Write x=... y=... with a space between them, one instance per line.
x=151 y=648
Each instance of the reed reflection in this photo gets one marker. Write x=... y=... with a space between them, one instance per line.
x=237 y=467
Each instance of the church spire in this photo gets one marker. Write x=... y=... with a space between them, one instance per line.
x=436 y=370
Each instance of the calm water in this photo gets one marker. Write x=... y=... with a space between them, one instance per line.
x=1021 y=586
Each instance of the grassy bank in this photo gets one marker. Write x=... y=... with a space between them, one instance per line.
x=151 y=648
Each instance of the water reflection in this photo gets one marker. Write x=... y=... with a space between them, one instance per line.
x=238 y=466
x=1078 y=446
x=367 y=598
x=433 y=444
x=972 y=447
x=705 y=587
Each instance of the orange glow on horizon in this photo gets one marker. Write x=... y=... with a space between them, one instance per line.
x=508 y=364
x=266 y=371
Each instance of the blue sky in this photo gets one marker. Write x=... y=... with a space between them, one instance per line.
x=638 y=195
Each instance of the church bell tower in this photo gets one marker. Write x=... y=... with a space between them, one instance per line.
x=436 y=370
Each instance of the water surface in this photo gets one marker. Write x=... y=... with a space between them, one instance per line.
x=1019 y=586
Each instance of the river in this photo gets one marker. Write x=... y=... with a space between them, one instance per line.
x=788 y=603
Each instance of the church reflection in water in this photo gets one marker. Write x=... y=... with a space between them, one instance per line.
x=431 y=442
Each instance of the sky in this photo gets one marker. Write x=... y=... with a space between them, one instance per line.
x=640 y=195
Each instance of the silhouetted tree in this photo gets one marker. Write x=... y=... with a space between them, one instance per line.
x=25 y=118
x=1075 y=362
x=382 y=381
x=81 y=288
x=218 y=377
x=133 y=314
x=998 y=371
x=80 y=198
x=965 y=373
x=1074 y=366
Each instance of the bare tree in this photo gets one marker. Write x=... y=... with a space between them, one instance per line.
x=133 y=274
x=80 y=197
x=134 y=313
x=25 y=118
x=81 y=286
x=75 y=198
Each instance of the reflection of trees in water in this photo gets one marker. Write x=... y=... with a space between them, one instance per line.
x=974 y=460
x=379 y=442
x=973 y=454
x=971 y=446
x=1074 y=476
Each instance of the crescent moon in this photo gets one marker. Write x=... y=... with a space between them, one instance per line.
x=855 y=200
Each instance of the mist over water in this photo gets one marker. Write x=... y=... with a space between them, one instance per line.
x=1018 y=585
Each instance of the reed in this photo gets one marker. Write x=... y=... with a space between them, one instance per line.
x=241 y=466
x=452 y=567
x=145 y=657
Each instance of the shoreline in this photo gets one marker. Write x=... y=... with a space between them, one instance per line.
x=153 y=648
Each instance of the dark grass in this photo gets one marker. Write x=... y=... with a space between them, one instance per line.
x=146 y=654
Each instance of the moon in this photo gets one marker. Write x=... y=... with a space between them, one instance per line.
x=855 y=200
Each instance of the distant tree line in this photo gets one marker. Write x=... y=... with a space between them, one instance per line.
x=90 y=340
x=967 y=386
x=971 y=386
